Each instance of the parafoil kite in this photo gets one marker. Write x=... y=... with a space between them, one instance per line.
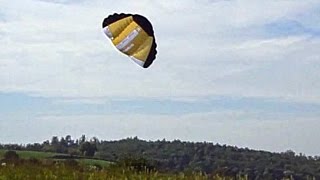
x=133 y=35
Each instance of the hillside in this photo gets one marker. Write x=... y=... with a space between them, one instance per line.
x=177 y=156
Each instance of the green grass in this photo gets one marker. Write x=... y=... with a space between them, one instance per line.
x=35 y=171
x=2 y=153
x=49 y=155
x=87 y=162
x=31 y=154
x=46 y=167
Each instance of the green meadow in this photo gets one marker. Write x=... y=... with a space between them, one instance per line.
x=42 y=165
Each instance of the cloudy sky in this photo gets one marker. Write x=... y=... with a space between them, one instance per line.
x=237 y=72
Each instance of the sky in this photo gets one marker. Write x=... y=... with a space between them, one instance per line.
x=244 y=73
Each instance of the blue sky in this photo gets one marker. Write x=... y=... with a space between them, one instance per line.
x=239 y=72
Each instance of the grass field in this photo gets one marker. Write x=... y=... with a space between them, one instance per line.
x=101 y=163
x=42 y=165
x=64 y=172
x=49 y=155
x=31 y=154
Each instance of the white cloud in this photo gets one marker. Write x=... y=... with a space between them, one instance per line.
x=55 y=48
x=290 y=71
x=49 y=50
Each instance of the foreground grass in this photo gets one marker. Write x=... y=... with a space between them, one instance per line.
x=40 y=170
x=46 y=166
x=43 y=165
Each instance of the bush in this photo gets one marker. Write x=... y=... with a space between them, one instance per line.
x=72 y=163
x=34 y=161
x=11 y=156
x=137 y=164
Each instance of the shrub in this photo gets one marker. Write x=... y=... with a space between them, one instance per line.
x=11 y=156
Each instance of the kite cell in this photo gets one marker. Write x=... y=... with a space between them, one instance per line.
x=133 y=35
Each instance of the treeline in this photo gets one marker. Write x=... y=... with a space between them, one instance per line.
x=178 y=156
x=64 y=145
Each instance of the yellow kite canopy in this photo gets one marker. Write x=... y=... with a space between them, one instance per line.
x=133 y=35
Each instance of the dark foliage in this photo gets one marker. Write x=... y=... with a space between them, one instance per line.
x=11 y=156
x=138 y=164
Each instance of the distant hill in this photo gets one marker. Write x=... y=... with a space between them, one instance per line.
x=177 y=156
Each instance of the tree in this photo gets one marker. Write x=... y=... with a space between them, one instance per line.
x=88 y=149
x=94 y=140
x=82 y=139
x=69 y=140
x=54 y=140
x=63 y=142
